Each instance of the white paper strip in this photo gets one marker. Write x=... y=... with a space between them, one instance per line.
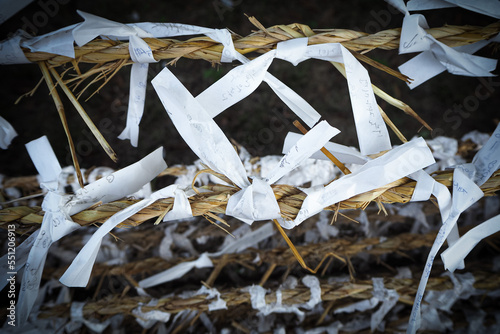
x=426 y=186
x=310 y=143
x=58 y=42
x=7 y=133
x=257 y=202
x=11 y=52
x=198 y=129
x=344 y=153
x=372 y=133
x=454 y=255
x=486 y=7
x=137 y=96
x=465 y=193
x=21 y=256
x=55 y=224
x=241 y=81
x=294 y=101
x=78 y=273
x=487 y=160
x=119 y=184
x=395 y=164
x=237 y=84
x=176 y=272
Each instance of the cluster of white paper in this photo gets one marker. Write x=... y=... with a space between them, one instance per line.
x=58 y=207
x=436 y=57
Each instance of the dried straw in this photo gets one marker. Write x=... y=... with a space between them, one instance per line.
x=101 y=51
x=209 y=204
x=234 y=297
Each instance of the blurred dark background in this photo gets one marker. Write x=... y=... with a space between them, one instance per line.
x=261 y=121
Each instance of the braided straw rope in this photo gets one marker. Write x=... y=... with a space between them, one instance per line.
x=105 y=50
x=344 y=248
x=234 y=297
x=214 y=201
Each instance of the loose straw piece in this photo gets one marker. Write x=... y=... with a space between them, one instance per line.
x=62 y=115
x=97 y=134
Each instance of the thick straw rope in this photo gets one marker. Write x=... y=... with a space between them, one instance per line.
x=105 y=50
x=215 y=200
x=234 y=297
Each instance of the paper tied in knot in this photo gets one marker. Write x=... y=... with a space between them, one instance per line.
x=181 y=208
x=436 y=57
x=466 y=191
x=94 y=26
x=55 y=224
x=293 y=50
x=255 y=202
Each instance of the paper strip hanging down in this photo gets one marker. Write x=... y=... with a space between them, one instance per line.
x=58 y=208
x=55 y=224
x=486 y=7
x=438 y=56
x=455 y=254
x=22 y=252
x=465 y=193
x=210 y=144
x=7 y=133
x=78 y=273
x=395 y=164
x=427 y=186
x=140 y=52
x=248 y=240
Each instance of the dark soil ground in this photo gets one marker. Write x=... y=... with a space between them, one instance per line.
x=259 y=122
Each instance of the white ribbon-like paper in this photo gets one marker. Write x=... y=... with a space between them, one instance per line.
x=56 y=224
x=256 y=200
x=248 y=240
x=454 y=255
x=395 y=164
x=486 y=7
x=22 y=252
x=58 y=208
x=78 y=273
x=466 y=181
x=345 y=154
x=241 y=81
x=7 y=133
x=10 y=49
